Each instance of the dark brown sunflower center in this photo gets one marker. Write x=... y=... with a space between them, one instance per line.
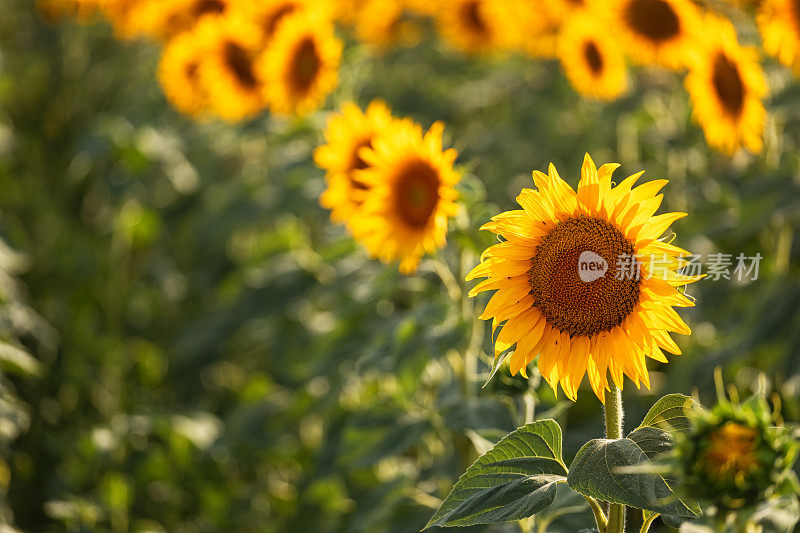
x=417 y=193
x=576 y=280
x=356 y=163
x=593 y=57
x=653 y=19
x=728 y=85
x=472 y=17
x=305 y=65
x=204 y=7
x=272 y=20
x=239 y=62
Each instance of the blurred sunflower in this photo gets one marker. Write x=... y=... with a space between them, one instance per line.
x=179 y=74
x=163 y=19
x=572 y=284
x=467 y=26
x=661 y=32
x=269 y=14
x=346 y=133
x=735 y=455
x=726 y=85
x=122 y=14
x=301 y=64
x=230 y=47
x=593 y=64
x=779 y=24
x=385 y=23
x=524 y=25
x=411 y=183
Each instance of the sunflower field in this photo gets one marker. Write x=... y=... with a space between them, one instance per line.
x=400 y=265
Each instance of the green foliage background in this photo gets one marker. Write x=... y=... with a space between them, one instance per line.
x=194 y=347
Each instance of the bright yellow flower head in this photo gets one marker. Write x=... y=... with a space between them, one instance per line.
x=385 y=23
x=179 y=74
x=779 y=23
x=727 y=86
x=467 y=25
x=524 y=25
x=346 y=134
x=593 y=63
x=231 y=45
x=411 y=196
x=164 y=19
x=661 y=32
x=582 y=280
x=123 y=15
x=270 y=14
x=301 y=64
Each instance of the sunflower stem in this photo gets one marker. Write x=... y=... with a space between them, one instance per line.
x=613 y=411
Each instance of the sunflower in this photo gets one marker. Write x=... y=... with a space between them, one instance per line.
x=734 y=455
x=411 y=196
x=467 y=26
x=657 y=31
x=179 y=74
x=230 y=47
x=727 y=85
x=594 y=64
x=346 y=133
x=163 y=19
x=301 y=64
x=779 y=24
x=269 y=14
x=123 y=15
x=385 y=23
x=573 y=282
x=731 y=451
x=524 y=25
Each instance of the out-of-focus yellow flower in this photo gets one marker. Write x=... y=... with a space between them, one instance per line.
x=231 y=45
x=123 y=16
x=347 y=132
x=466 y=24
x=163 y=19
x=269 y=14
x=179 y=74
x=385 y=23
x=662 y=32
x=593 y=63
x=727 y=86
x=410 y=180
x=301 y=64
x=574 y=282
x=524 y=25
x=779 y=24
x=731 y=451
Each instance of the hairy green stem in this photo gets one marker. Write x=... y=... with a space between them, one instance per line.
x=647 y=522
x=613 y=411
x=599 y=515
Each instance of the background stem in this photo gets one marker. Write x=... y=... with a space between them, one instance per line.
x=613 y=412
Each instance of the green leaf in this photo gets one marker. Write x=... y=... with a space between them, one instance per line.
x=515 y=479
x=498 y=362
x=617 y=471
x=671 y=413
